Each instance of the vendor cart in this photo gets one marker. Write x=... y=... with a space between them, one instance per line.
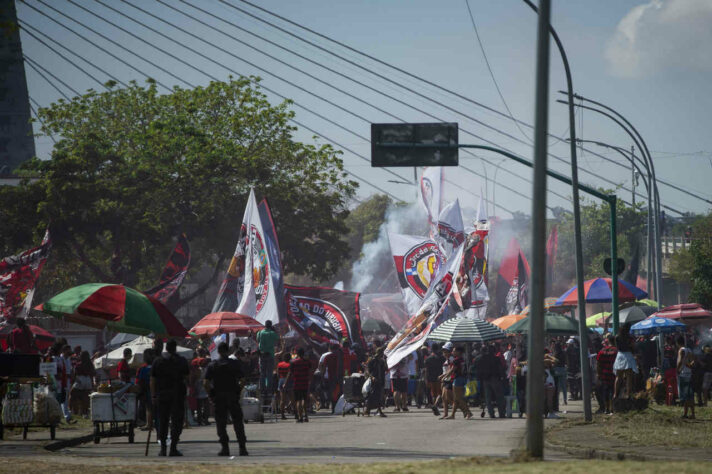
x=113 y=414
x=19 y=408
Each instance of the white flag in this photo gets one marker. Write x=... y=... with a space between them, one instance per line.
x=431 y=194
x=417 y=260
x=451 y=231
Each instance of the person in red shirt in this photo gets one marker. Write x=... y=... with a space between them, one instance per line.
x=605 y=359
x=282 y=387
x=300 y=373
x=349 y=358
x=123 y=368
x=21 y=339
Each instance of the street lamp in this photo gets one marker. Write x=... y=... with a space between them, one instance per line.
x=656 y=195
x=648 y=187
x=578 y=246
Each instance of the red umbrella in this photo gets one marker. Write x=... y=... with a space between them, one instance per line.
x=687 y=313
x=43 y=338
x=224 y=322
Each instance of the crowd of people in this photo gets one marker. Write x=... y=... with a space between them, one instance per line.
x=297 y=380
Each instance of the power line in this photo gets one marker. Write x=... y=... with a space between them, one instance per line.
x=37 y=116
x=414 y=76
x=326 y=83
x=489 y=68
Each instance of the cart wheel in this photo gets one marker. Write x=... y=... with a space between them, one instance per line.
x=131 y=433
x=52 y=432
x=24 y=432
x=97 y=436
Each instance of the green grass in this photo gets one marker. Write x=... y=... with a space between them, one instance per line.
x=479 y=465
x=661 y=426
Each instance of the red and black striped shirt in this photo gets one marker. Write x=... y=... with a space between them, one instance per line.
x=301 y=371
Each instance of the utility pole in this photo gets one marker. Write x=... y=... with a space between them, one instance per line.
x=632 y=170
x=535 y=371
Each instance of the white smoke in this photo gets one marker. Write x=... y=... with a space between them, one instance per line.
x=376 y=262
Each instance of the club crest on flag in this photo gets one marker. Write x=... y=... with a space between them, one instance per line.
x=419 y=265
x=260 y=268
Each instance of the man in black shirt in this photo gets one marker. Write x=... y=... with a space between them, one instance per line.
x=168 y=390
x=222 y=381
x=433 y=370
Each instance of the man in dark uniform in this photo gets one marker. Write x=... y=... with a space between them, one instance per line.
x=222 y=381
x=168 y=389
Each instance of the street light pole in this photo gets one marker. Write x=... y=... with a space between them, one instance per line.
x=535 y=370
x=631 y=130
x=578 y=246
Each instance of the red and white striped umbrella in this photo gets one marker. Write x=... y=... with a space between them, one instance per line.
x=226 y=323
x=687 y=313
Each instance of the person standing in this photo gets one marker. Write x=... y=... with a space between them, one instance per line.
x=21 y=340
x=684 y=378
x=459 y=380
x=707 y=377
x=143 y=381
x=123 y=367
x=607 y=379
x=222 y=381
x=267 y=340
x=376 y=369
x=399 y=384
x=433 y=369
x=168 y=388
x=444 y=378
x=299 y=373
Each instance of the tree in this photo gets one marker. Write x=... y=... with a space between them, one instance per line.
x=701 y=261
x=133 y=169
x=596 y=240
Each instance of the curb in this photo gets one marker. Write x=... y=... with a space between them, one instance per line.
x=603 y=454
x=68 y=443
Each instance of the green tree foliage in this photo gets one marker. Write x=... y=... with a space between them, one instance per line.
x=134 y=168
x=701 y=262
x=595 y=233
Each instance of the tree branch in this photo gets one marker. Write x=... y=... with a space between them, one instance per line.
x=79 y=252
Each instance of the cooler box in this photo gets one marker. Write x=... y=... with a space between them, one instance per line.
x=353 y=388
x=251 y=409
x=124 y=408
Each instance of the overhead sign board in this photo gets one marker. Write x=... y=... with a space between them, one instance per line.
x=414 y=144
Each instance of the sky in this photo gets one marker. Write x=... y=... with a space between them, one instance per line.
x=648 y=59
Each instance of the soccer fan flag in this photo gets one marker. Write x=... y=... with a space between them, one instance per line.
x=431 y=194
x=18 y=276
x=512 y=281
x=417 y=260
x=174 y=272
x=324 y=315
x=434 y=309
x=451 y=230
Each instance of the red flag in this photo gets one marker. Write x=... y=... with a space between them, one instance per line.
x=513 y=280
x=552 y=245
x=174 y=272
x=18 y=275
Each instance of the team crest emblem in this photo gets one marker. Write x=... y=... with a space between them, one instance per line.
x=419 y=265
x=260 y=269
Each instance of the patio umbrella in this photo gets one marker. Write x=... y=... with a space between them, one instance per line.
x=376 y=326
x=553 y=324
x=633 y=314
x=224 y=323
x=116 y=307
x=43 y=338
x=467 y=330
x=120 y=339
x=551 y=306
x=137 y=347
x=598 y=290
x=689 y=313
x=506 y=321
x=598 y=319
x=655 y=325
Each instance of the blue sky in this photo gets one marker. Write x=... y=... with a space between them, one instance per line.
x=647 y=58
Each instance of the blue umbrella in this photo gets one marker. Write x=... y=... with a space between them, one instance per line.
x=656 y=325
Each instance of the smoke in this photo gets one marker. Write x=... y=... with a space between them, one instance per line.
x=371 y=273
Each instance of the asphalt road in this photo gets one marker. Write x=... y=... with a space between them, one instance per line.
x=416 y=435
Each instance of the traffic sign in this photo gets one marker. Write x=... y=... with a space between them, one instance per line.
x=414 y=144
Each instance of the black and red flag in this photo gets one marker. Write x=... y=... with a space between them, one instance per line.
x=174 y=272
x=18 y=275
x=512 y=281
x=324 y=315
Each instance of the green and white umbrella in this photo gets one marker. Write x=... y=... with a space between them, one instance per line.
x=467 y=330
